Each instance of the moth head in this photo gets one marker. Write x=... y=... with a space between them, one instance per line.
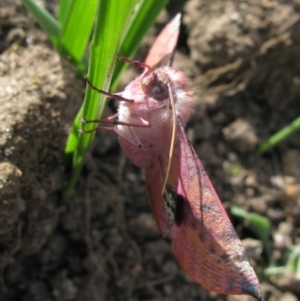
x=154 y=89
x=155 y=85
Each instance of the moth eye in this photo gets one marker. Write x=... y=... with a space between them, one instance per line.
x=159 y=91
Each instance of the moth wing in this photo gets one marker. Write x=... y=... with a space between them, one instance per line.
x=154 y=180
x=204 y=240
x=155 y=177
x=162 y=51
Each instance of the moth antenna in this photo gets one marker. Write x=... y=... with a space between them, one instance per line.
x=172 y=138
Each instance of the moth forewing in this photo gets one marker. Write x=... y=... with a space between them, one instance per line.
x=204 y=240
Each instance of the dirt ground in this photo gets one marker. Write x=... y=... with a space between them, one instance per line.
x=102 y=243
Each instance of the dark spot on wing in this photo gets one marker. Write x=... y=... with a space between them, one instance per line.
x=212 y=249
x=202 y=236
x=205 y=208
x=232 y=283
x=194 y=225
x=225 y=257
x=251 y=289
x=179 y=209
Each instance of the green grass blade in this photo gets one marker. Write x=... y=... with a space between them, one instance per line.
x=273 y=270
x=279 y=137
x=292 y=265
x=63 y=10
x=143 y=19
x=258 y=224
x=111 y=22
x=76 y=29
x=45 y=19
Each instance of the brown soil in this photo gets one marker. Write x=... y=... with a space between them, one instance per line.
x=102 y=243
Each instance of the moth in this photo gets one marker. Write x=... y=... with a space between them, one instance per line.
x=153 y=111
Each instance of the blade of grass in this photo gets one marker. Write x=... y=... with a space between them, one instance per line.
x=273 y=270
x=76 y=29
x=138 y=30
x=63 y=10
x=292 y=264
x=143 y=19
x=45 y=19
x=260 y=225
x=111 y=21
x=279 y=137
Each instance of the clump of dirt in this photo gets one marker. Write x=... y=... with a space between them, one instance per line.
x=35 y=87
x=102 y=242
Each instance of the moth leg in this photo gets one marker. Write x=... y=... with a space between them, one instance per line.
x=105 y=120
x=111 y=120
x=115 y=96
x=137 y=64
x=99 y=128
x=144 y=123
x=110 y=129
x=139 y=143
